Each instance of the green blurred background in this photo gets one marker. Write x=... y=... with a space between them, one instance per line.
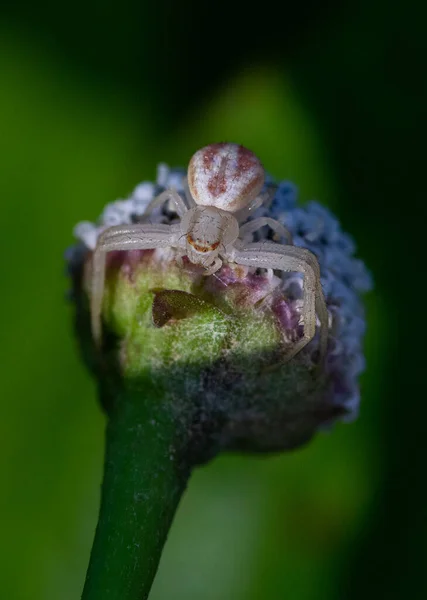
x=92 y=97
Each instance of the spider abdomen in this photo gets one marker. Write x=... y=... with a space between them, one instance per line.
x=225 y=175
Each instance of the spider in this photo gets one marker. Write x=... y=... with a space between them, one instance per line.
x=223 y=187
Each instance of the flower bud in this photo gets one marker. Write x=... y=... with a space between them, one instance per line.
x=214 y=347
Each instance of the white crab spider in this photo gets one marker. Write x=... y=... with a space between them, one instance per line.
x=224 y=185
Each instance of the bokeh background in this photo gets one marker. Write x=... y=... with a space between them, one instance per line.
x=330 y=96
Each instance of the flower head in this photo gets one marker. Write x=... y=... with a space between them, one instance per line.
x=215 y=344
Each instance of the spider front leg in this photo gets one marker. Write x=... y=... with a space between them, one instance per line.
x=301 y=260
x=162 y=198
x=123 y=237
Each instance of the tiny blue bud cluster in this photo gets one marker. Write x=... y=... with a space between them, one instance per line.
x=344 y=278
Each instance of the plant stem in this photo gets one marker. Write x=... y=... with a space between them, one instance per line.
x=143 y=483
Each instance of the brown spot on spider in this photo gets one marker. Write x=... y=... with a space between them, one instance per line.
x=209 y=153
x=202 y=247
x=246 y=159
x=218 y=183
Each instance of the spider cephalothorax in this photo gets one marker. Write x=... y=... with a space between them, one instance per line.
x=208 y=231
x=224 y=187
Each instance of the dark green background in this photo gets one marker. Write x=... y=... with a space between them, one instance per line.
x=332 y=97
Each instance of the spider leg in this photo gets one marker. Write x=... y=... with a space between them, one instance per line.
x=242 y=214
x=252 y=226
x=321 y=310
x=170 y=194
x=122 y=237
x=190 y=200
x=291 y=258
x=264 y=197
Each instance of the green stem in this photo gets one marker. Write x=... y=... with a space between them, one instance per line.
x=143 y=483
